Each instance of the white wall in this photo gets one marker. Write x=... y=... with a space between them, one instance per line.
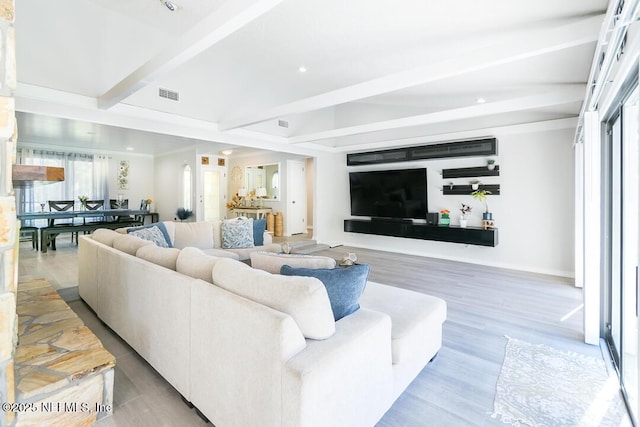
x=141 y=171
x=534 y=212
x=168 y=182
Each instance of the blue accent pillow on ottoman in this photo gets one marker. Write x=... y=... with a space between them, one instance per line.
x=344 y=285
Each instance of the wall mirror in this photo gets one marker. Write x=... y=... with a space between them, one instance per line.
x=265 y=176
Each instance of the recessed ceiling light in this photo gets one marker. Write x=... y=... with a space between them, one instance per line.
x=302 y=69
x=226 y=152
x=129 y=148
x=480 y=100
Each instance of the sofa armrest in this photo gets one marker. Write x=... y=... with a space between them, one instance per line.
x=242 y=346
x=344 y=380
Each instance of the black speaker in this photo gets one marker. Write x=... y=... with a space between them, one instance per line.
x=432 y=218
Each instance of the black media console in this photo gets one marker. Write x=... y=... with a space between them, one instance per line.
x=453 y=234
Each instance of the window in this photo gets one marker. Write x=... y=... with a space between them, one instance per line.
x=85 y=175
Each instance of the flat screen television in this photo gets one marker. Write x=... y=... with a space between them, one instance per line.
x=400 y=193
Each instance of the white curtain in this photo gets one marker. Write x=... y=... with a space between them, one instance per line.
x=34 y=198
x=85 y=175
x=100 y=189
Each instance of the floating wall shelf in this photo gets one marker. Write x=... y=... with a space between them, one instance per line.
x=470 y=172
x=466 y=189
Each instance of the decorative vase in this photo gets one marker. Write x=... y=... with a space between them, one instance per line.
x=445 y=221
x=475 y=186
x=487 y=215
x=491 y=166
x=463 y=222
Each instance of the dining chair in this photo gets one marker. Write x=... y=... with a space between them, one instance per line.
x=124 y=204
x=32 y=233
x=93 y=205
x=60 y=206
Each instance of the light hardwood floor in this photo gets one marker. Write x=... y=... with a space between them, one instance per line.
x=485 y=304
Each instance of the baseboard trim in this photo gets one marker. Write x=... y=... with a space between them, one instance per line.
x=549 y=272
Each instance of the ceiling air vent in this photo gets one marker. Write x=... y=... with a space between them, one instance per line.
x=169 y=94
x=283 y=123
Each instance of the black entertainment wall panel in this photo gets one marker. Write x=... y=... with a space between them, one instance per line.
x=476 y=147
x=469 y=235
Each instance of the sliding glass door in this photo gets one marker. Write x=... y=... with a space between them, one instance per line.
x=622 y=240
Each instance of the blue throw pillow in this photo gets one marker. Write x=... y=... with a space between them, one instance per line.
x=344 y=285
x=259 y=225
x=156 y=232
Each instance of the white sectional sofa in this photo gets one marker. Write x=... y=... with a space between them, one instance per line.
x=207 y=236
x=248 y=347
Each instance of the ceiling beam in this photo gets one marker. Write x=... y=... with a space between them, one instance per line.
x=564 y=95
x=531 y=44
x=229 y=18
x=51 y=102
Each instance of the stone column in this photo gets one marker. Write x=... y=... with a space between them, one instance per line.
x=8 y=224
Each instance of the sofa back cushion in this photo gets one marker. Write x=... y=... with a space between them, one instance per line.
x=129 y=244
x=217 y=234
x=196 y=263
x=105 y=236
x=305 y=299
x=170 y=226
x=195 y=234
x=272 y=262
x=165 y=257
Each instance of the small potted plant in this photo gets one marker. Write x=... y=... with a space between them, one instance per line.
x=475 y=184
x=83 y=202
x=445 y=219
x=481 y=196
x=464 y=211
x=183 y=214
x=491 y=164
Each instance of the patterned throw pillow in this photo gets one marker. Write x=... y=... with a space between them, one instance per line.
x=157 y=233
x=237 y=233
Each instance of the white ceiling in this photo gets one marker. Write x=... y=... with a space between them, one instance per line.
x=379 y=73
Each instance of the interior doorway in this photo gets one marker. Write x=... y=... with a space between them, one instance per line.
x=296 y=208
x=212 y=184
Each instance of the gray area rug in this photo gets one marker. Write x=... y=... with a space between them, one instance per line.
x=541 y=386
